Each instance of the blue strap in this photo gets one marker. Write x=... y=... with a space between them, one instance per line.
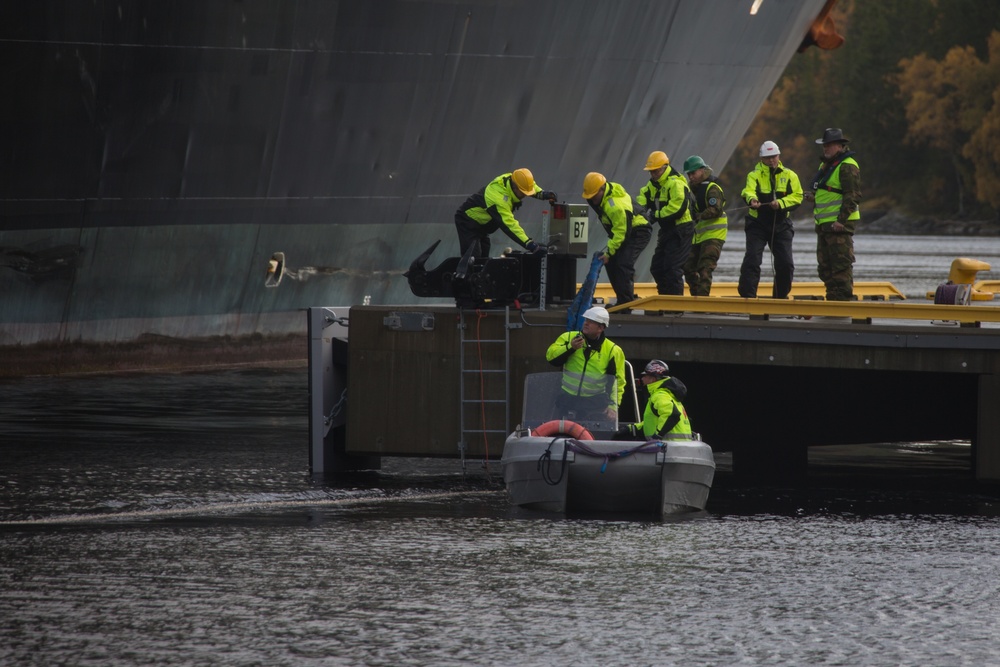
x=585 y=297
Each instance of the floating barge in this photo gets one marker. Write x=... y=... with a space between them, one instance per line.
x=764 y=381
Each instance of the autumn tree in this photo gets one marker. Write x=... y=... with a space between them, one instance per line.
x=983 y=150
x=855 y=87
x=947 y=101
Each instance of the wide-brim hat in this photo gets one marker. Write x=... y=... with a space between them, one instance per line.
x=833 y=135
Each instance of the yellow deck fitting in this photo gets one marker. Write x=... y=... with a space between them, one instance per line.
x=986 y=287
x=963 y=272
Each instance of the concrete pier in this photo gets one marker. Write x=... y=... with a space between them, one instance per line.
x=763 y=387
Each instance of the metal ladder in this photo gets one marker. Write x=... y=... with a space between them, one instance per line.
x=468 y=336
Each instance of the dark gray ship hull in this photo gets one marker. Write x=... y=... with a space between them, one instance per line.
x=158 y=153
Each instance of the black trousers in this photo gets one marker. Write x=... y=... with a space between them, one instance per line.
x=621 y=266
x=471 y=233
x=779 y=239
x=673 y=245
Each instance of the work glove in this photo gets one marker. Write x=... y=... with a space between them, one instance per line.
x=548 y=195
x=536 y=249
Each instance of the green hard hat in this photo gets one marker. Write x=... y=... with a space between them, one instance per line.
x=693 y=163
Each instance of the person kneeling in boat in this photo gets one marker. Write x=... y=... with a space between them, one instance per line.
x=665 y=417
x=588 y=358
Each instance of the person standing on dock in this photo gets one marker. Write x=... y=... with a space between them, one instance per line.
x=836 y=191
x=772 y=192
x=628 y=233
x=493 y=207
x=710 y=226
x=664 y=417
x=666 y=199
x=587 y=359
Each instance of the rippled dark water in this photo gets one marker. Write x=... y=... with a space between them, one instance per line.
x=171 y=520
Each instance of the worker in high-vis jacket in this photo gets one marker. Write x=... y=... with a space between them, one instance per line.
x=628 y=233
x=666 y=200
x=836 y=191
x=711 y=226
x=493 y=208
x=664 y=417
x=772 y=192
x=593 y=369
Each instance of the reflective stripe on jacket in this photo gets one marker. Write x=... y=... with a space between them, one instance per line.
x=766 y=185
x=830 y=197
x=708 y=194
x=668 y=198
x=585 y=370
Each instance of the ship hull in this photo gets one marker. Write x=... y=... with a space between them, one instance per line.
x=161 y=153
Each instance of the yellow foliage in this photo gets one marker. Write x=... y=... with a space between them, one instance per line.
x=954 y=105
x=983 y=150
x=938 y=96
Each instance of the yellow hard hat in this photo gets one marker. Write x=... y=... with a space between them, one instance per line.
x=592 y=183
x=656 y=160
x=524 y=181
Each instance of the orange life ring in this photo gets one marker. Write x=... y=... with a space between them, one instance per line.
x=563 y=427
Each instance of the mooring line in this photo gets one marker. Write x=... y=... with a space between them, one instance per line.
x=240 y=506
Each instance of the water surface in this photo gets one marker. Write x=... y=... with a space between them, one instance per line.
x=170 y=519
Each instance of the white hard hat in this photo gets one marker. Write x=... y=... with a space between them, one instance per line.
x=769 y=149
x=598 y=314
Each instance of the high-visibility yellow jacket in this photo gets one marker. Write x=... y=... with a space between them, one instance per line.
x=830 y=197
x=665 y=416
x=493 y=208
x=766 y=185
x=585 y=370
x=668 y=198
x=616 y=215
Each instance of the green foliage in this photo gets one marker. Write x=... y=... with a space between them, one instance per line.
x=927 y=152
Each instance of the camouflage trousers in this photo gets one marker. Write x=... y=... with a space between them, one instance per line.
x=835 y=257
x=700 y=266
